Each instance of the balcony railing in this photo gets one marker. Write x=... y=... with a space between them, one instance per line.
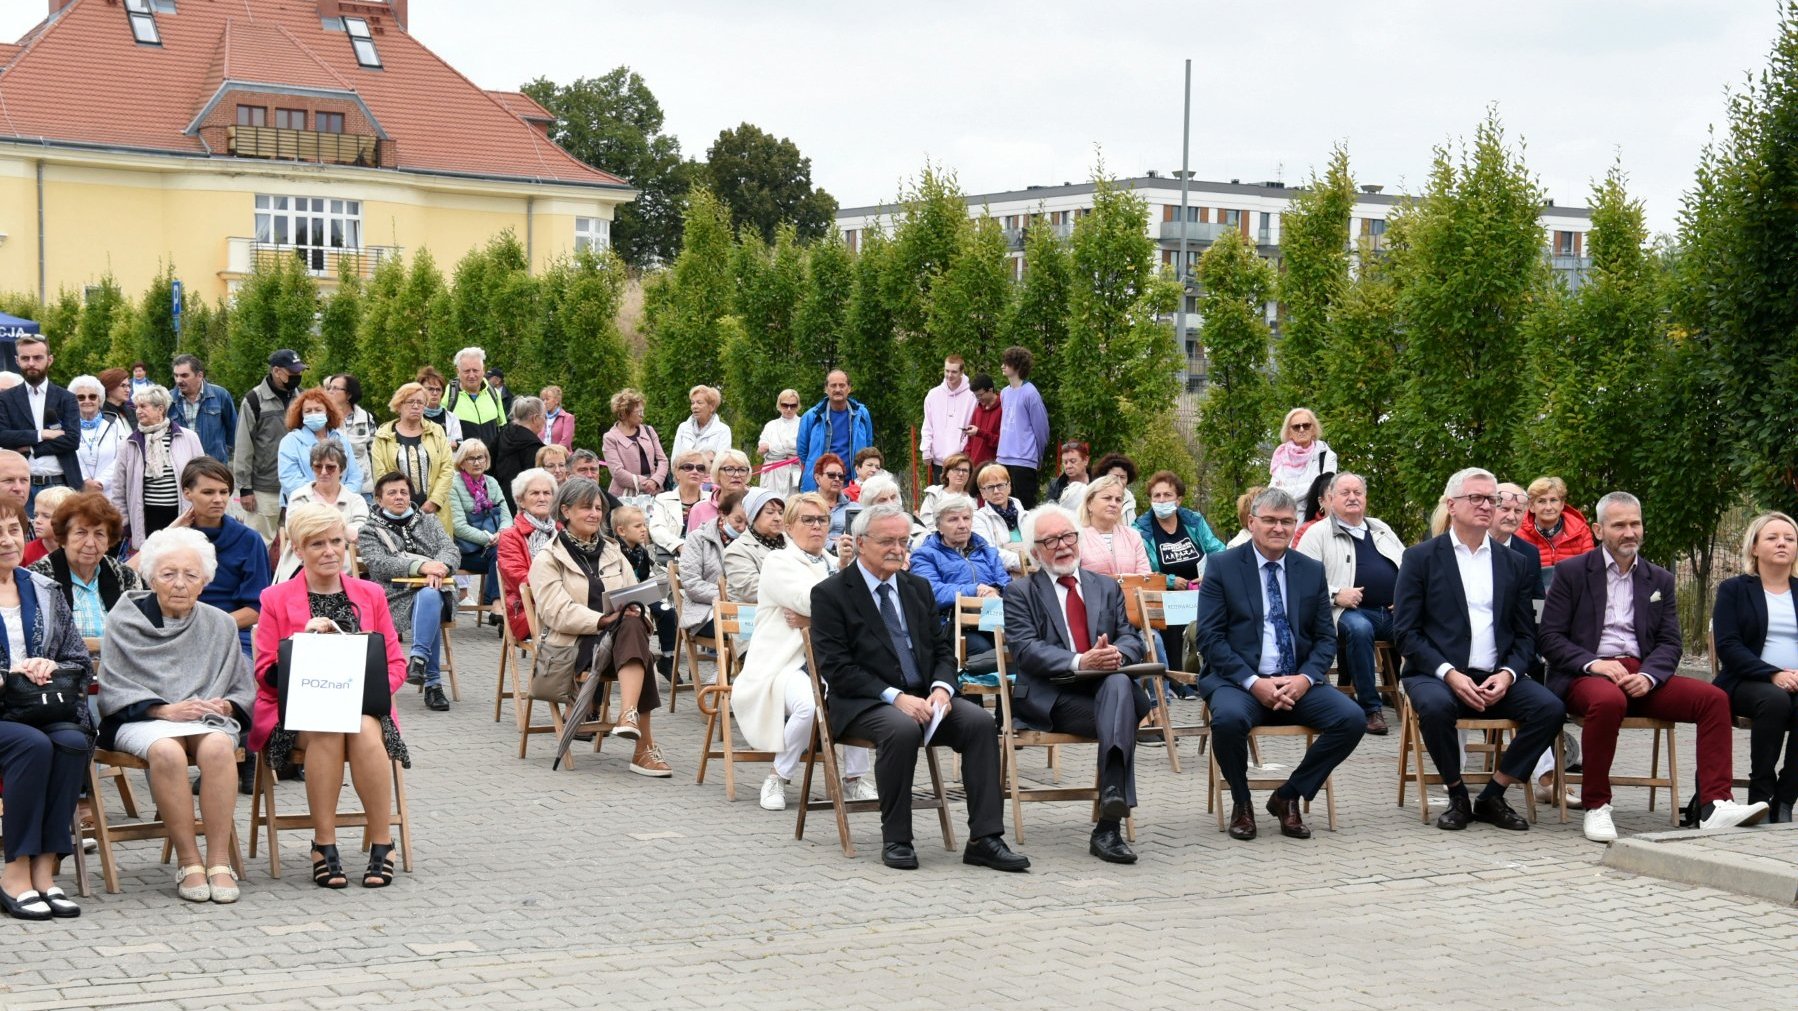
x=1014 y=237
x=304 y=145
x=1196 y=231
x=1567 y=261
x=242 y=255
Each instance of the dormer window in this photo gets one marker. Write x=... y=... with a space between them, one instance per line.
x=143 y=22
x=362 y=42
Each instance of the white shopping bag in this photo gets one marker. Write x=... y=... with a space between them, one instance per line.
x=324 y=685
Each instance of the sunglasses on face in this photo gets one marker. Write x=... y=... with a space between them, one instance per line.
x=87 y=396
x=693 y=468
x=789 y=407
x=1301 y=426
x=832 y=475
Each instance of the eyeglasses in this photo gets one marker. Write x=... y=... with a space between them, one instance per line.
x=415 y=402
x=693 y=468
x=326 y=468
x=887 y=543
x=1513 y=498
x=789 y=407
x=1479 y=500
x=733 y=470
x=995 y=486
x=1057 y=540
x=179 y=577
x=1278 y=521
x=87 y=396
x=475 y=458
x=1301 y=426
x=832 y=475
x=814 y=521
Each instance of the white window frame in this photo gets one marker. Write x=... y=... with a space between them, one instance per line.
x=315 y=227
x=592 y=233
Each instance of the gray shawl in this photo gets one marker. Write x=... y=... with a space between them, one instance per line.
x=198 y=658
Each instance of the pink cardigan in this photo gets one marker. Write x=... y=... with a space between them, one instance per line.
x=1126 y=556
x=285 y=610
x=561 y=430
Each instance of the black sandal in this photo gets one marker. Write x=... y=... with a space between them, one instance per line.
x=380 y=865
x=327 y=870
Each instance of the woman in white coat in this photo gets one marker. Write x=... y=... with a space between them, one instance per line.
x=772 y=697
x=779 y=442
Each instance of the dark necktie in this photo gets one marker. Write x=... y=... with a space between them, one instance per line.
x=1076 y=615
x=1276 y=613
x=908 y=664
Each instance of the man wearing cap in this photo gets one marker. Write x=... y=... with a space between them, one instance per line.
x=261 y=424
x=496 y=378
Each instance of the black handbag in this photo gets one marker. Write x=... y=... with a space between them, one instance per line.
x=377 y=694
x=57 y=700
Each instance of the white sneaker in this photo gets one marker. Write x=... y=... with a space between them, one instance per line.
x=1729 y=814
x=774 y=793
x=1599 y=827
x=1545 y=794
x=860 y=788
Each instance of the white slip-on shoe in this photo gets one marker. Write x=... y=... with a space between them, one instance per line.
x=860 y=788
x=774 y=793
x=1729 y=814
x=1599 y=827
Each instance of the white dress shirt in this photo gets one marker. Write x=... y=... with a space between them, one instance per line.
x=1270 y=646
x=47 y=464
x=890 y=695
x=1475 y=565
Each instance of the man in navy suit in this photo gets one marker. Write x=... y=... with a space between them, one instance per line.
x=1067 y=618
x=1266 y=632
x=1610 y=631
x=1466 y=626
x=40 y=420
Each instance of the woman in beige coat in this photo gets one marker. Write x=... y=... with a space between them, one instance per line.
x=772 y=698
x=569 y=578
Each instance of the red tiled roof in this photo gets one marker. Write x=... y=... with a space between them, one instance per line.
x=9 y=50
x=80 y=78
x=523 y=106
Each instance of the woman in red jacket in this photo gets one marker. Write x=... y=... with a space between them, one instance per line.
x=1555 y=528
x=518 y=544
x=322 y=599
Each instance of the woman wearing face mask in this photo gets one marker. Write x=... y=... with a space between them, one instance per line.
x=101 y=433
x=399 y=542
x=1177 y=540
x=433 y=383
x=702 y=562
x=146 y=486
x=312 y=418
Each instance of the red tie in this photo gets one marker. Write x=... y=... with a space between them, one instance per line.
x=1076 y=615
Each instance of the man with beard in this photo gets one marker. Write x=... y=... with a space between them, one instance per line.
x=261 y=424
x=40 y=420
x=1066 y=618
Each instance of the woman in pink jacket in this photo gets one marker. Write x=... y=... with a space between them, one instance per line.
x=558 y=427
x=1107 y=543
x=633 y=450
x=321 y=598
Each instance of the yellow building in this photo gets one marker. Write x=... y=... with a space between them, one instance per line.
x=211 y=133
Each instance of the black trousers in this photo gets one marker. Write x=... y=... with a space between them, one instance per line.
x=1529 y=703
x=1109 y=709
x=968 y=729
x=1024 y=484
x=1235 y=711
x=1774 y=712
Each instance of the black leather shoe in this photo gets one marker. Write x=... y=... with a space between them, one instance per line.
x=1287 y=813
x=1108 y=845
x=991 y=851
x=1112 y=806
x=899 y=856
x=435 y=700
x=1497 y=813
x=1459 y=813
x=415 y=670
x=1242 y=822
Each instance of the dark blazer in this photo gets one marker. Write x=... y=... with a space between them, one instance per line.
x=1739 y=624
x=1429 y=611
x=1573 y=619
x=1039 y=646
x=18 y=430
x=855 y=653
x=1230 y=615
x=1532 y=555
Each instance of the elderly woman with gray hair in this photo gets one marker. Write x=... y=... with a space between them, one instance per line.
x=101 y=433
x=175 y=690
x=146 y=485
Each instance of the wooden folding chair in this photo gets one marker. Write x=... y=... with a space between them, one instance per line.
x=524 y=702
x=1411 y=756
x=448 y=664
x=1385 y=672
x=685 y=642
x=1151 y=606
x=714 y=699
x=400 y=817
x=1654 y=781
x=512 y=656
x=106 y=834
x=1214 y=790
x=823 y=748
x=113 y=772
x=1013 y=740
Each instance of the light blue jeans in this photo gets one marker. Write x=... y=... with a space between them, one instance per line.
x=427 y=630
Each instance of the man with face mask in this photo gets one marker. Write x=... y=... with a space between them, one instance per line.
x=261 y=425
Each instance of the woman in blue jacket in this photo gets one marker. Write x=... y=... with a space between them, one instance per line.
x=1177 y=540
x=959 y=563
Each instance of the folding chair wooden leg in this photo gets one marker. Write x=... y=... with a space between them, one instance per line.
x=449 y=662
x=942 y=799
x=499 y=686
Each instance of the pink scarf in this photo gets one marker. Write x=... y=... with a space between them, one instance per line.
x=477 y=490
x=1291 y=454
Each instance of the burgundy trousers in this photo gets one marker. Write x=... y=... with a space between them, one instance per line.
x=1601 y=705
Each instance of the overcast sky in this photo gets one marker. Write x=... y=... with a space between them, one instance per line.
x=1008 y=94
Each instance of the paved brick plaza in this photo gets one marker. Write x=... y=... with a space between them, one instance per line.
x=597 y=888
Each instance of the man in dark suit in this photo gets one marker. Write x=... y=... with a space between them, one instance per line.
x=1466 y=628
x=1610 y=631
x=890 y=667
x=1066 y=618
x=40 y=420
x=1266 y=632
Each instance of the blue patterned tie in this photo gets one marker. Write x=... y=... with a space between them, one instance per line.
x=908 y=664
x=1276 y=613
